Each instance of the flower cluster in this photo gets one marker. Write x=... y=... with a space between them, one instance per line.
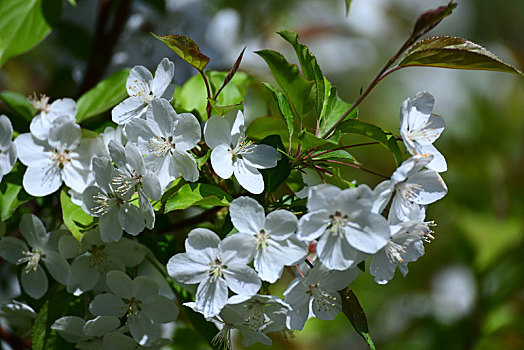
x=121 y=179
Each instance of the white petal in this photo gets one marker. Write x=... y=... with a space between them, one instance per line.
x=161 y=117
x=11 y=249
x=312 y=225
x=128 y=251
x=57 y=266
x=33 y=231
x=110 y=229
x=64 y=107
x=6 y=131
x=248 y=177
x=200 y=239
x=139 y=81
x=83 y=275
x=262 y=157
x=438 y=163
x=269 y=263
x=120 y=284
x=145 y=288
x=247 y=215
x=118 y=153
x=76 y=178
x=66 y=135
x=163 y=76
x=280 y=224
x=323 y=197
x=187 y=132
x=161 y=310
x=238 y=248
x=7 y=159
x=327 y=310
x=152 y=187
x=242 y=279
x=222 y=161
x=129 y=109
x=237 y=127
x=41 y=179
x=40 y=126
x=101 y=325
x=186 y=164
x=146 y=208
x=116 y=340
x=335 y=253
x=433 y=187
x=143 y=330
x=184 y=269
x=70 y=328
x=217 y=131
x=34 y=283
x=30 y=150
x=368 y=233
x=211 y=296
x=131 y=219
x=381 y=268
x=107 y=304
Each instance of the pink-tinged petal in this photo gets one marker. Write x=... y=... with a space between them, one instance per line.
x=163 y=77
x=247 y=215
x=217 y=131
x=248 y=177
x=222 y=161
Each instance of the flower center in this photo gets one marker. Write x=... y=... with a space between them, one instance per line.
x=243 y=146
x=322 y=299
x=104 y=203
x=60 y=158
x=394 y=252
x=215 y=270
x=256 y=320
x=40 y=103
x=141 y=89
x=32 y=258
x=262 y=239
x=133 y=307
x=421 y=132
x=125 y=183
x=160 y=146
x=98 y=258
x=338 y=222
x=409 y=191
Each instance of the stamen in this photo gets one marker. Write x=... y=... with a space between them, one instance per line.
x=32 y=259
x=243 y=146
x=322 y=299
x=60 y=158
x=410 y=192
x=159 y=146
x=215 y=271
x=256 y=320
x=222 y=340
x=338 y=222
x=39 y=103
x=104 y=204
x=262 y=239
x=394 y=252
x=122 y=183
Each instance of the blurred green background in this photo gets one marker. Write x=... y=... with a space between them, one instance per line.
x=467 y=292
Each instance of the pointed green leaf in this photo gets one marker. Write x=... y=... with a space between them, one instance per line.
x=283 y=106
x=19 y=104
x=309 y=65
x=430 y=19
x=192 y=194
x=336 y=155
x=221 y=110
x=348 y=5
x=105 y=95
x=299 y=91
x=75 y=218
x=374 y=132
x=186 y=48
x=25 y=24
x=265 y=126
x=310 y=141
x=355 y=314
x=456 y=53
x=334 y=108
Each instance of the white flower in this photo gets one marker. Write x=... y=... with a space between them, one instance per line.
x=33 y=278
x=113 y=134
x=345 y=223
x=414 y=189
x=215 y=266
x=271 y=238
x=165 y=138
x=49 y=114
x=131 y=174
x=405 y=245
x=64 y=157
x=233 y=154
x=7 y=147
x=94 y=258
x=138 y=300
x=316 y=294
x=419 y=128
x=110 y=206
x=142 y=89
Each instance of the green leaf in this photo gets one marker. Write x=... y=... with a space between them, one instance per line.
x=374 y=132
x=456 y=53
x=72 y=2
x=25 y=24
x=310 y=141
x=299 y=91
x=12 y=193
x=283 y=106
x=192 y=194
x=338 y=180
x=186 y=48
x=222 y=110
x=273 y=177
x=338 y=154
x=20 y=104
x=348 y=5
x=309 y=65
x=355 y=314
x=333 y=110
x=430 y=19
x=75 y=218
x=265 y=126
x=105 y=95
x=58 y=305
